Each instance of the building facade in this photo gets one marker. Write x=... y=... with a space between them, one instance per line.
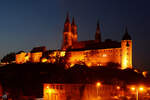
x=81 y=92
x=96 y=52
x=91 y=52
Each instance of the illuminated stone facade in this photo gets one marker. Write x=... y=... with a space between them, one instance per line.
x=91 y=52
x=81 y=92
x=96 y=52
x=22 y=57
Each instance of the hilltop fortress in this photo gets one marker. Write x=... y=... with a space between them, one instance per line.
x=91 y=52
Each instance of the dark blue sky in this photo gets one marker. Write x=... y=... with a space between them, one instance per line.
x=25 y=24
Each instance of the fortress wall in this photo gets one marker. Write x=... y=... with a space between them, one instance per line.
x=99 y=57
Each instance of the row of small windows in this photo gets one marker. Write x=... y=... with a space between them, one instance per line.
x=108 y=55
x=105 y=51
x=60 y=87
x=57 y=87
x=114 y=50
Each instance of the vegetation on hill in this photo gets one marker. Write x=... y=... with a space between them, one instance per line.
x=29 y=77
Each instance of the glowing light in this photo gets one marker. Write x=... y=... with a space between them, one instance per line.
x=125 y=62
x=47 y=87
x=104 y=55
x=141 y=88
x=72 y=65
x=144 y=73
x=62 y=54
x=98 y=84
x=118 y=87
x=133 y=88
x=27 y=58
x=44 y=60
x=88 y=64
x=135 y=70
x=99 y=64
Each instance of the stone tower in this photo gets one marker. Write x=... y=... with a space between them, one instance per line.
x=74 y=31
x=67 y=34
x=126 y=53
x=98 y=33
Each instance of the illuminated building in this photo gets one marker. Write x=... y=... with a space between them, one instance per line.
x=91 y=52
x=96 y=52
x=80 y=92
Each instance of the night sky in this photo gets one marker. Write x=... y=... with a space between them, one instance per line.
x=25 y=24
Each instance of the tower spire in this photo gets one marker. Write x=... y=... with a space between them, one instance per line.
x=73 y=22
x=126 y=35
x=98 y=32
x=126 y=30
x=67 y=18
x=67 y=37
x=67 y=25
x=74 y=30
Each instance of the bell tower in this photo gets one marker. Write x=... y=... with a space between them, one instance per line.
x=67 y=34
x=126 y=54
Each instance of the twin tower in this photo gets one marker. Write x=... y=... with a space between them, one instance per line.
x=70 y=34
x=105 y=52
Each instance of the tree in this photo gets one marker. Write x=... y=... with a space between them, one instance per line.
x=9 y=58
x=113 y=65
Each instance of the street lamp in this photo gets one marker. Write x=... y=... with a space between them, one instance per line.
x=137 y=89
x=98 y=84
x=118 y=87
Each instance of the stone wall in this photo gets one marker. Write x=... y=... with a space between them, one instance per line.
x=98 y=57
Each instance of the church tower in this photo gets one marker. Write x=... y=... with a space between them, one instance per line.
x=67 y=34
x=126 y=55
x=98 y=33
x=74 y=31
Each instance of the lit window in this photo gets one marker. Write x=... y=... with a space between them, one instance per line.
x=104 y=55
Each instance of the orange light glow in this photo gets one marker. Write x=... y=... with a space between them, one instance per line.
x=141 y=88
x=98 y=84
x=27 y=58
x=144 y=73
x=47 y=87
x=118 y=87
x=62 y=54
x=133 y=88
x=135 y=70
x=104 y=55
x=125 y=62
x=44 y=60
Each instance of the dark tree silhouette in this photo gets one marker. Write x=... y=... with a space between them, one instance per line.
x=113 y=65
x=9 y=58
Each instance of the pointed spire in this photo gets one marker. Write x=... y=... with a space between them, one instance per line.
x=98 y=26
x=98 y=32
x=67 y=18
x=126 y=30
x=126 y=35
x=73 y=22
